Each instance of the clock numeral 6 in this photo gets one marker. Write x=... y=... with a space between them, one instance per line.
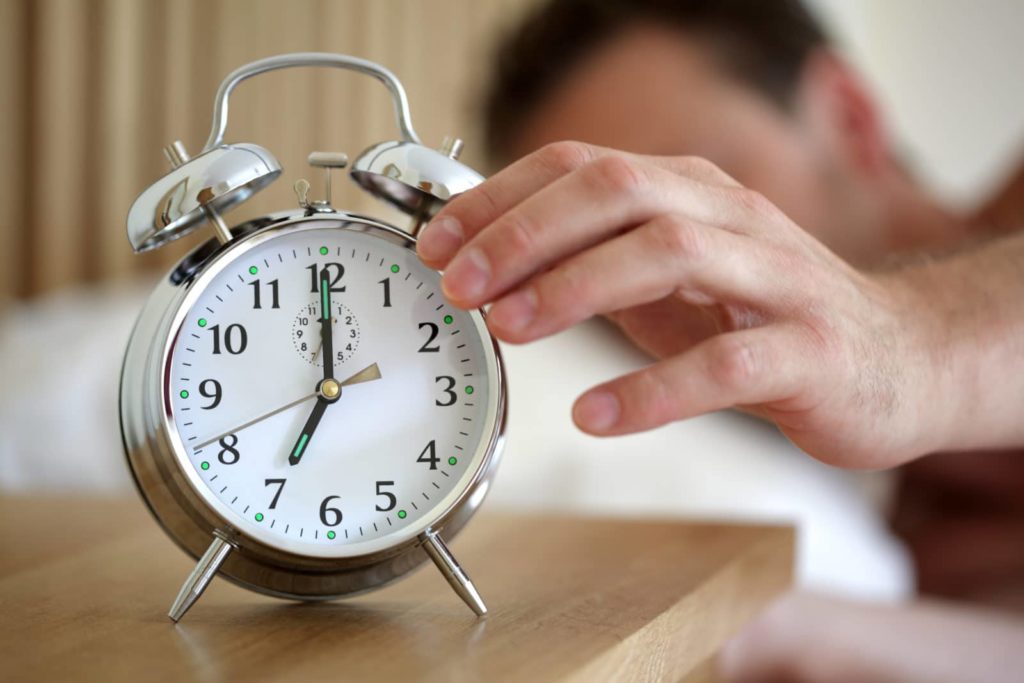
x=314 y=276
x=449 y=390
x=228 y=455
x=235 y=339
x=392 y=501
x=215 y=393
x=427 y=348
x=333 y=513
x=429 y=455
x=279 y=483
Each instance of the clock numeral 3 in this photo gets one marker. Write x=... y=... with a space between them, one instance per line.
x=235 y=339
x=427 y=348
x=392 y=501
x=429 y=455
x=327 y=511
x=279 y=483
x=228 y=455
x=449 y=391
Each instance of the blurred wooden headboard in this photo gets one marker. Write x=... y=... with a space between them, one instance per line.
x=93 y=89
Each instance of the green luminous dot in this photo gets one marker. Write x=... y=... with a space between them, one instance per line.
x=323 y=251
x=184 y=393
x=394 y=268
x=331 y=535
x=202 y=322
x=253 y=270
x=205 y=465
x=259 y=516
x=469 y=389
x=453 y=461
x=401 y=514
x=448 y=320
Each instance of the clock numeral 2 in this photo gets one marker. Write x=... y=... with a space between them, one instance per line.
x=274 y=299
x=392 y=501
x=235 y=339
x=429 y=455
x=427 y=348
x=279 y=483
x=449 y=390
x=228 y=454
x=314 y=277
x=334 y=513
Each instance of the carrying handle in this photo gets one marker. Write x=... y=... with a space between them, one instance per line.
x=390 y=81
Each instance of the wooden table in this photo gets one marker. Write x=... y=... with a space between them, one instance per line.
x=85 y=586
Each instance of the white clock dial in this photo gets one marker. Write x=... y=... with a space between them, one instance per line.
x=390 y=454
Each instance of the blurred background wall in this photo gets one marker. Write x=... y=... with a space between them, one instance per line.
x=92 y=90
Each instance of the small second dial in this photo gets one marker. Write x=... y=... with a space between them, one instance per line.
x=306 y=333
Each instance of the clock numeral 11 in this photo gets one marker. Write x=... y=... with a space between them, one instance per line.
x=274 y=294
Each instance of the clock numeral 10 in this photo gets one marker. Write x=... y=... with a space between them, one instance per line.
x=235 y=339
x=429 y=455
x=274 y=298
x=392 y=501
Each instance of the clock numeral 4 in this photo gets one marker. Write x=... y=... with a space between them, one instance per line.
x=429 y=455
x=328 y=515
x=392 y=501
x=279 y=483
x=427 y=348
x=337 y=271
x=274 y=298
x=235 y=339
x=449 y=391
x=228 y=454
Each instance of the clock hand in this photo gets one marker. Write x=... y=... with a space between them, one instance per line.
x=307 y=430
x=367 y=374
x=250 y=423
x=326 y=329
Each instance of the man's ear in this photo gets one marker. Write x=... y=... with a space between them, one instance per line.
x=842 y=114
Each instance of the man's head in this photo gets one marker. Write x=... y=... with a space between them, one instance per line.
x=750 y=85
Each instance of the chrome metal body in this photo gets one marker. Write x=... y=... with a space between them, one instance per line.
x=453 y=572
x=201 y=576
x=185 y=510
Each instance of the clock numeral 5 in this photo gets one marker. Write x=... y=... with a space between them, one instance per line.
x=392 y=501
x=275 y=302
x=427 y=348
x=333 y=513
x=279 y=483
x=314 y=276
x=429 y=455
x=449 y=390
x=235 y=339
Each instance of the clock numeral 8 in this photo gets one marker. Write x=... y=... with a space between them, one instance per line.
x=334 y=513
x=228 y=455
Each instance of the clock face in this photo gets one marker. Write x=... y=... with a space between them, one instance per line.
x=334 y=462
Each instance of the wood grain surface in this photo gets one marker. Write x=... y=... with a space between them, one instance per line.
x=85 y=586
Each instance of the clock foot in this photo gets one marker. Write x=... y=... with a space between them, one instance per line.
x=449 y=566
x=201 y=576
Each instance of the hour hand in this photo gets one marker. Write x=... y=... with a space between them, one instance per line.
x=302 y=443
x=326 y=328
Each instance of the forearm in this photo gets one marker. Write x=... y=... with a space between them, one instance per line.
x=968 y=312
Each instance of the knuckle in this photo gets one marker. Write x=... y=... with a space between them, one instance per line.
x=732 y=362
x=680 y=238
x=753 y=202
x=565 y=156
x=616 y=175
x=520 y=235
x=654 y=397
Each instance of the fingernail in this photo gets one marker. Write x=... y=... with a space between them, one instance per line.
x=515 y=311
x=597 y=411
x=441 y=239
x=467 y=276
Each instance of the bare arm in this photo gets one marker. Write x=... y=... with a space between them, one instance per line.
x=860 y=370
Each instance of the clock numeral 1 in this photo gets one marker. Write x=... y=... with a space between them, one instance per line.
x=392 y=501
x=449 y=390
x=228 y=454
x=279 y=483
x=429 y=455
x=274 y=299
x=427 y=348
x=314 y=277
x=386 y=282
x=334 y=513
x=235 y=339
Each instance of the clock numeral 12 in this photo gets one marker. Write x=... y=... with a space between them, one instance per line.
x=314 y=276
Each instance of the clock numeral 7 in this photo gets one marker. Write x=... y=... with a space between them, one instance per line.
x=279 y=483
x=429 y=455
x=392 y=501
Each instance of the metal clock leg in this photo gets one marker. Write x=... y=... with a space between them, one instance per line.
x=449 y=566
x=201 y=576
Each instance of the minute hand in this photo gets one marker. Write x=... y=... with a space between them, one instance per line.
x=326 y=328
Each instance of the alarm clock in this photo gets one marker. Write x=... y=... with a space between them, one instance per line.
x=302 y=410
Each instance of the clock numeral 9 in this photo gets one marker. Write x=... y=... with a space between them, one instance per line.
x=333 y=513
x=235 y=339
x=392 y=501
x=427 y=348
x=449 y=390
x=228 y=455
x=314 y=276
x=279 y=483
x=215 y=394
x=429 y=455
x=275 y=302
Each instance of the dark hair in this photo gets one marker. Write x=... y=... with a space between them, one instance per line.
x=764 y=43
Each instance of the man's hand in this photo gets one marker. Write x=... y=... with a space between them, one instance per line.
x=743 y=307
